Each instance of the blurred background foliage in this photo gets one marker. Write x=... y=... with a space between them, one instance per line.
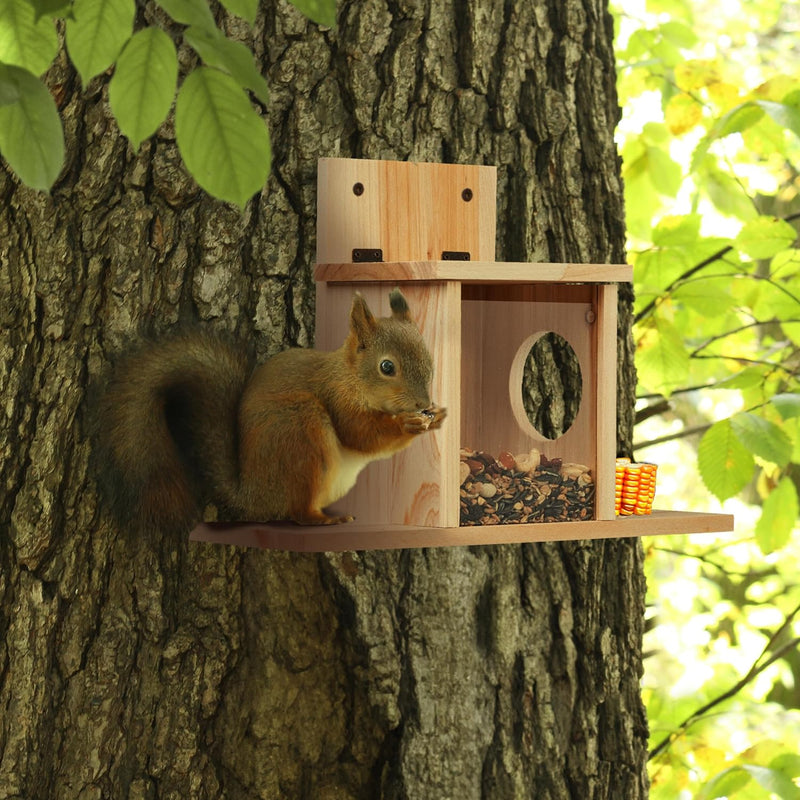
x=710 y=139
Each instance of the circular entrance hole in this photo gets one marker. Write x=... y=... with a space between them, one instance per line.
x=546 y=384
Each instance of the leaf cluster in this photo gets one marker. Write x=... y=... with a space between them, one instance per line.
x=710 y=139
x=716 y=278
x=221 y=135
x=714 y=695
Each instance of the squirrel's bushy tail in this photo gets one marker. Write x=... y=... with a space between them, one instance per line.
x=167 y=430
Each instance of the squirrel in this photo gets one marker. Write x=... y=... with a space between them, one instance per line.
x=186 y=421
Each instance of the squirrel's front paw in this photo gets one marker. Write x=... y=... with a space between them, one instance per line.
x=436 y=416
x=420 y=421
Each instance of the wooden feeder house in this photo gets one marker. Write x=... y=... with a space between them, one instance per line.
x=430 y=230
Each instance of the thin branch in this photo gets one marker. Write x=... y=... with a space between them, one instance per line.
x=741 y=360
x=653 y=410
x=756 y=669
x=685 y=390
x=703 y=558
x=719 y=254
x=688 y=274
x=686 y=432
x=671 y=437
x=755 y=324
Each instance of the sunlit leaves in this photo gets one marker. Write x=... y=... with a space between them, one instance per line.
x=728 y=195
x=696 y=73
x=222 y=140
x=725 y=784
x=779 y=515
x=762 y=437
x=682 y=114
x=661 y=358
x=728 y=782
x=787 y=404
x=726 y=465
x=143 y=86
x=31 y=136
x=650 y=174
x=733 y=128
x=738 y=119
x=97 y=34
x=765 y=237
x=25 y=41
x=674 y=230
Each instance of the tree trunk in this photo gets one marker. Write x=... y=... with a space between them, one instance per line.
x=163 y=669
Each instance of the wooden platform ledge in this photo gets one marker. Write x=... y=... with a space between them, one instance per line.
x=352 y=536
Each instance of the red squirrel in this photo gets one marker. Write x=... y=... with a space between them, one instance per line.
x=185 y=421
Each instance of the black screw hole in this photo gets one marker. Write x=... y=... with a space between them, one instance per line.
x=466 y=195
x=358 y=189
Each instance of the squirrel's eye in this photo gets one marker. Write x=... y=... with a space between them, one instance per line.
x=387 y=367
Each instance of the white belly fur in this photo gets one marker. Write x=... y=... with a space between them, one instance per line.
x=351 y=462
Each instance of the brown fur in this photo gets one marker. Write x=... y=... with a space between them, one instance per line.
x=184 y=422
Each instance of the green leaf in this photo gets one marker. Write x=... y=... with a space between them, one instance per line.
x=663 y=171
x=696 y=73
x=98 y=33
x=725 y=464
x=31 y=136
x=787 y=116
x=143 y=86
x=223 y=141
x=232 y=57
x=246 y=9
x=764 y=237
x=190 y=12
x=659 y=267
x=51 y=8
x=738 y=119
x=787 y=404
x=323 y=12
x=724 y=784
x=778 y=517
x=9 y=91
x=24 y=41
x=785 y=264
x=710 y=298
x=787 y=764
x=679 y=33
x=780 y=300
x=773 y=781
x=726 y=193
x=762 y=437
x=675 y=231
x=661 y=357
x=747 y=378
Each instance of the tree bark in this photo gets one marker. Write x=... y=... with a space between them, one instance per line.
x=135 y=669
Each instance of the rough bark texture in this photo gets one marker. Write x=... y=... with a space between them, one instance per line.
x=159 y=669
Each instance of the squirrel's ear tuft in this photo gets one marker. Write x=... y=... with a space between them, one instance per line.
x=362 y=323
x=399 y=306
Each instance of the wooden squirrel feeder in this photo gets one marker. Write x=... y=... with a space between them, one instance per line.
x=430 y=229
